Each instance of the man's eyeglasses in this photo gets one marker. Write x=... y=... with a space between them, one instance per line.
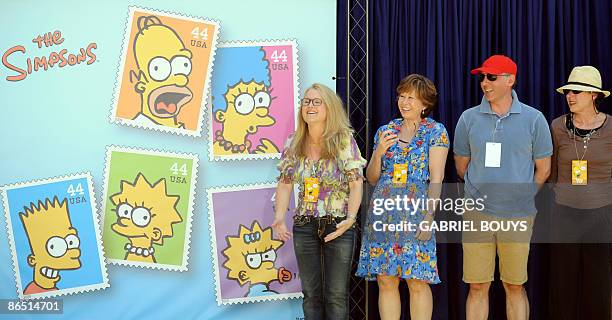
x=315 y=102
x=490 y=77
x=567 y=91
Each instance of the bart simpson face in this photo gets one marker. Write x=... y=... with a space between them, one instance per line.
x=53 y=239
x=164 y=66
x=251 y=255
x=145 y=210
x=247 y=109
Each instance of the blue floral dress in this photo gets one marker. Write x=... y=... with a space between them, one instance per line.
x=399 y=253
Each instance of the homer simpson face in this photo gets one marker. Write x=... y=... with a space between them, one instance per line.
x=53 y=240
x=164 y=66
x=251 y=256
x=144 y=210
x=247 y=109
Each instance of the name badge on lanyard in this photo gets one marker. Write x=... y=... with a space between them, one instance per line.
x=493 y=155
x=579 y=172
x=311 y=189
x=400 y=174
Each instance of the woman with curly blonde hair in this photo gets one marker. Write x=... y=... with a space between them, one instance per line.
x=323 y=159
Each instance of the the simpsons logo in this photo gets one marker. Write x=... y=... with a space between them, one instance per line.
x=14 y=61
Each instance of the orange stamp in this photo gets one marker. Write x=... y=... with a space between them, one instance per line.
x=164 y=73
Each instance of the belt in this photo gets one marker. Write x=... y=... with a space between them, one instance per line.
x=300 y=219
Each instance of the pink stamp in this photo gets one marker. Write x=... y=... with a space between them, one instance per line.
x=254 y=99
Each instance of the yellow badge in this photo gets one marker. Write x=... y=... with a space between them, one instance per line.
x=400 y=174
x=311 y=189
x=579 y=172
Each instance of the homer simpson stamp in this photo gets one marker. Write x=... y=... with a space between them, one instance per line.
x=54 y=236
x=255 y=91
x=164 y=72
x=148 y=207
x=250 y=265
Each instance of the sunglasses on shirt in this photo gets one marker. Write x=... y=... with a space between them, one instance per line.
x=490 y=77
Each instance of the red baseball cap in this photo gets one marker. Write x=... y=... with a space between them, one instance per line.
x=497 y=64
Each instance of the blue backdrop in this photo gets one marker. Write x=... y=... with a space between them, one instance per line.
x=55 y=122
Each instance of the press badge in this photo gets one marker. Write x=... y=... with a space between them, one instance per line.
x=311 y=189
x=493 y=155
x=579 y=172
x=400 y=173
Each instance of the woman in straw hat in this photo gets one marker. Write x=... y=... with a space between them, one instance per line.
x=581 y=173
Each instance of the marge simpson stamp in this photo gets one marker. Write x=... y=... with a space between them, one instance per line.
x=254 y=99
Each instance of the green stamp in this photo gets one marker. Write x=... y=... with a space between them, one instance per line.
x=148 y=207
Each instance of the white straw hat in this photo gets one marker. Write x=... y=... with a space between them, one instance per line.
x=584 y=78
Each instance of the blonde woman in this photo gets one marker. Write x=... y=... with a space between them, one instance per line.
x=323 y=159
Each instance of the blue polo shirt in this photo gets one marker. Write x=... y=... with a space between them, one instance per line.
x=508 y=191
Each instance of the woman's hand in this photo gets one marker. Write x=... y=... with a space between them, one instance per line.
x=340 y=229
x=423 y=232
x=280 y=229
x=386 y=140
x=423 y=235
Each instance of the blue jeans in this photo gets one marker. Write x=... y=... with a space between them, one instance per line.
x=324 y=267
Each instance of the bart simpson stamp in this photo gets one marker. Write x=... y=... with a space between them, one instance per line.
x=254 y=99
x=250 y=265
x=164 y=73
x=55 y=237
x=148 y=206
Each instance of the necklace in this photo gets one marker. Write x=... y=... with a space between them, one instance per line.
x=586 y=136
x=585 y=143
x=145 y=252
x=228 y=145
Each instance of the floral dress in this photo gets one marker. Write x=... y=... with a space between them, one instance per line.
x=399 y=253
x=334 y=176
